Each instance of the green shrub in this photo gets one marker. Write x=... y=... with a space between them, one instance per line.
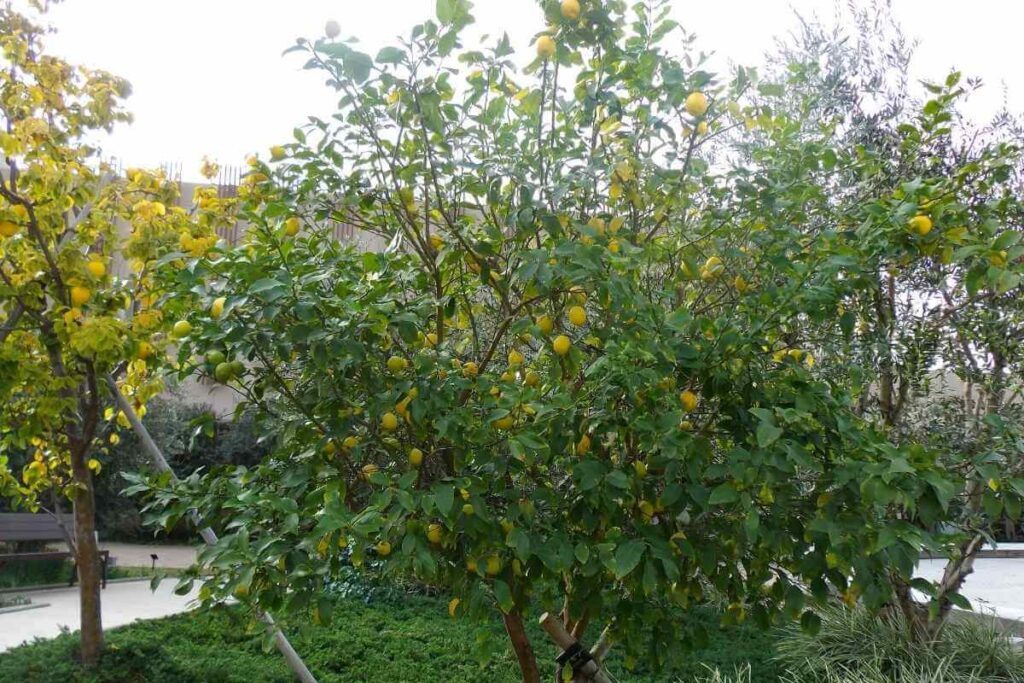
x=17 y=573
x=856 y=647
x=190 y=438
x=407 y=638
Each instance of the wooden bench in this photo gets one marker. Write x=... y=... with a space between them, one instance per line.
x=18 y=527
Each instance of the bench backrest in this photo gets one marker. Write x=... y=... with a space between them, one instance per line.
x=27 y=526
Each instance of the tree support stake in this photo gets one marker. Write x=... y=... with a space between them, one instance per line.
x=585 y=664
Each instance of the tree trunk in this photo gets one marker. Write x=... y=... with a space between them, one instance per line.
x=88 y=559
x=521 y=646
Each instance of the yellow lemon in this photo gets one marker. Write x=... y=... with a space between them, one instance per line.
x=515 y=359
x=291 y=226
x=217 y=308
x=182 y=328
x=350 y=442
x=389 y=422
x=696 y=104
x=397 y=364
x=532 y=378
x=80 y=295
x=434 y=533
x=436 y=242
x=920 y=225
x=430 y=338
x=570 y=10
x=8 y=229
x=469 y=370
x=561 y=345
x=577 y=316
x=276 y=153
x=415 y=457
x=493 y=565
x=383 y=548
x=545 y=47
x=504 y=422
x=96 y=268
x=145 y=350
x=468 y=509
x=546 y=324
x=702 y=128
x=713 y=267
x=689 y=401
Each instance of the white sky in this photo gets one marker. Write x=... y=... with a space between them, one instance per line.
x=209 y=78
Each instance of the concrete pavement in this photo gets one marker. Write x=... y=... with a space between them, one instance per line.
x=168 y=556
x=995 y=587
x=123 y=603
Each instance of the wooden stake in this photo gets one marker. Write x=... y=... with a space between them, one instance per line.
x=589 y=670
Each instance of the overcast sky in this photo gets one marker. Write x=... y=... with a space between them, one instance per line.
x=209 y=78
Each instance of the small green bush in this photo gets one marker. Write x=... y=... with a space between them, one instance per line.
x=18 y=573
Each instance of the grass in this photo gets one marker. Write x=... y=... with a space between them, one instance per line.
x=856 y=647
x=408 y=640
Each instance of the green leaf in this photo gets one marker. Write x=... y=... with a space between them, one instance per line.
x=390 y=55
x=810 y=623
x=444 y=498
x=723 y=494
x=520 y=541
x=264 y=285
x=628 y=556
x=582 y=553
x=767 y=434
x=358 y=65
x=504 y=596
x=445 y=11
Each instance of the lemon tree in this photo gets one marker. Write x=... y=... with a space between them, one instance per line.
x=583 y=375
x=78 y=299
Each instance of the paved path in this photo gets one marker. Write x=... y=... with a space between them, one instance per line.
x=996 y=586
x=135 y=555
x=168 y=556
x=123 y=603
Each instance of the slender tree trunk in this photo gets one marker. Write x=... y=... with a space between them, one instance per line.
x=88 y=559
x=521 y=646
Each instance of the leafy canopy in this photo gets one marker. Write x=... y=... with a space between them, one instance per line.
x=578 y=366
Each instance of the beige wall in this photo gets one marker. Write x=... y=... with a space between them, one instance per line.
x=220 y=398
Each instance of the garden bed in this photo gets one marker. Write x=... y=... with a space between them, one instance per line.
x=410 y=640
